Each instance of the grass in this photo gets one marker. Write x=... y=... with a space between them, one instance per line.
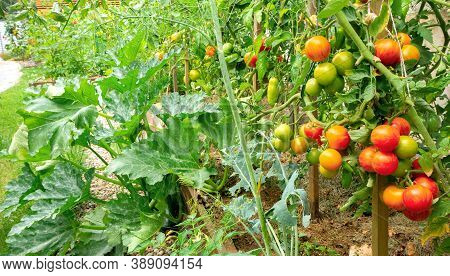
x=10 y=102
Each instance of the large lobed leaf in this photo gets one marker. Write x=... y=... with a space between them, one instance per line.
x=17 y=189
x=60 y=191
x=56 y=123
x=174 y=150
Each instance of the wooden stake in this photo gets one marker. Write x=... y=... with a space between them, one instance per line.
x=380 y=215
x=313 y=191
x=256 y=31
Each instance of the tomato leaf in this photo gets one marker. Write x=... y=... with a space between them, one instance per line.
x=262 y=65
x=360 y=135
x=346 y=178
x=332 y=7
x=426 y=163
x=380 y=22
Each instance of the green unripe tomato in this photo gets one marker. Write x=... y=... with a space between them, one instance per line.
x=281 y=145
x=325 y=73
x=407 y=147
x=283 y=132
x=344 y=61
x=336 y=86
x=312 y=87
x=272 y=91
x=227 y=48
x=369 y=114
x=313 y=156
x=194 y=75
x=404 y=165
x=433 y=123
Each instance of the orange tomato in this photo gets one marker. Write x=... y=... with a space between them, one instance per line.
x=338 y=137
x=365 y=158
x=327 y=173
x=404 y=39
x=410 y=52
x=388 y=51
x=393 y=197
x=250 y=59
x=330 y=159
x=385 y=138
x=299 y=145
x=317 y=48
x=210 y=51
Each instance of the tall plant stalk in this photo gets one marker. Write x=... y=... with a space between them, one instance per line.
x=238 y=125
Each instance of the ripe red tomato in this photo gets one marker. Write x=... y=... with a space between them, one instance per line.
x=410 y=52
x=327 y=173
x=388 y=51
x=250 y=59
x=317 y=48
x=393 y=197
x=330 y=159
x=401 y=125
x=280 y=58
x=313 y=130
x=385 y=138
x=338 y=137
x=407 y=147
x=416 y=166
x=210 y=51
x=404 y=39
x=417 y=198
x=365 y=158
x=417 y=216
x=428 y=183
x=384 y=163
x=299 y=145
x=263 y=46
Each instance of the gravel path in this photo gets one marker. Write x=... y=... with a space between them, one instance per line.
x=10 y=73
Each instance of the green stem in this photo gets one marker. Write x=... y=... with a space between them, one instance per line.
x=238 y=124
x=441 y=2
x=95 y=174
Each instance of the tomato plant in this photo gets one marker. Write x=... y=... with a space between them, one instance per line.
x=225 y=97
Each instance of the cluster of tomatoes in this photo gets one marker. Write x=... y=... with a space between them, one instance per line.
x=328 y=76
x=391 y=154
x=389 y=52
x=329 y=160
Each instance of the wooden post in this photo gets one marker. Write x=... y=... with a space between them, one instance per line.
x=256 y=31
x=186 y=67
x=313 y=178
x=380 y=215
